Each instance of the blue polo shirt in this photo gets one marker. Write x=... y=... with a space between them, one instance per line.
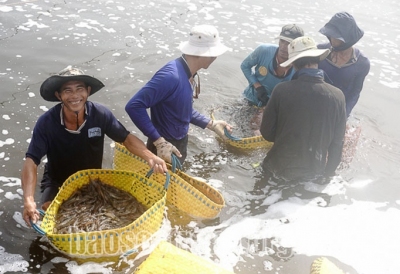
x=69 y=152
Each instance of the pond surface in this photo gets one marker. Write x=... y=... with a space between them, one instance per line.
x=352 y=220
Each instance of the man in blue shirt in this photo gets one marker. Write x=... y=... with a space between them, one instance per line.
x=169 y=95
x=346 y=65
x=71 y=135
x=266 y=60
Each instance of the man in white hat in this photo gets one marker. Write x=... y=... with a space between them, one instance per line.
x=71 y=135
x=305 y=118
x=169 y=95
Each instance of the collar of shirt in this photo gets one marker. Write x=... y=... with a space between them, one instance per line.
x=69 y=130
x=185 y=66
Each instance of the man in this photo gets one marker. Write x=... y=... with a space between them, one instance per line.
x=305 y=118
x=169 y=95
x=346 y=66
x=71 y=135
x=266 y=60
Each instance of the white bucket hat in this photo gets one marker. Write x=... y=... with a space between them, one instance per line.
x=304 y=47
x=203 y=41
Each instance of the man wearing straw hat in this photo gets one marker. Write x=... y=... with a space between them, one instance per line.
x=169 y=95
x=71 y=135
x=305 y=118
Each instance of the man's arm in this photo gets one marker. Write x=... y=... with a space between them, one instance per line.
x=137 y=147
x=28 y=181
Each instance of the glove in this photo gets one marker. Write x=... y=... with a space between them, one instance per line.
x=218 y=127
x=262 y=95
x=165 y=149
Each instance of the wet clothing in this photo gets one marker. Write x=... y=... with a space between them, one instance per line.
x=263 y=59
x=169 y=95
x=306 y=120
x=348 y=78
x=69 y=152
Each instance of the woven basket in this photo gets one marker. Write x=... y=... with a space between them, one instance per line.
x=112 y=242
x=250 y=142
x=168 y=259
x=188 y=194
x=324 y=266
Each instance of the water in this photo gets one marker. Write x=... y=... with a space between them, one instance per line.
x=353 y=220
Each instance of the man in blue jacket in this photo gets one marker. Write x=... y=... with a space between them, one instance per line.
x=169 y=95
x=265 y=60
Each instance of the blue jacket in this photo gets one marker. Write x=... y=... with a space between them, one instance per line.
x=169 y=96
x=262 y=59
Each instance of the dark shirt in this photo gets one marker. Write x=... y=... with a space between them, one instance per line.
x=68 y=152
x=306 y=120
x=348 y=78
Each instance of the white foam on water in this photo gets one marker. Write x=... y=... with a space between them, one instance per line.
x=5 y=8
x=10 y=181
x=31 y=94
x=4 y=131
x=89 y=267
x=44 y=108
x=6 y=117
x=12 y=262
x=8 y=141
x=354 y=234
x=11 y=196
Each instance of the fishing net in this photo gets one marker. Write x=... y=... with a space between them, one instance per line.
x=113 y=242
x=188 y=194
x=168 y=259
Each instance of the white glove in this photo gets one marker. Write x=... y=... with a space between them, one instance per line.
x=218 y=127
x=165 y=149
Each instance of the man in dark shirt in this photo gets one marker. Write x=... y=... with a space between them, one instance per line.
x=305 y=118
x=71 y=135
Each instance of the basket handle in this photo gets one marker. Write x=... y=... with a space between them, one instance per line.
x=176 y=164
x=167 y=179
x=35 y=226
x=233 y=138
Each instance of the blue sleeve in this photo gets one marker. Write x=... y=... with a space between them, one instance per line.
x=113 y=128
x=155 y=91
x=39 y=145
x=357 y=85
x=248 y=63
x=199 y=119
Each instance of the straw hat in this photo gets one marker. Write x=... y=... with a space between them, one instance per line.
x=304 y=47
x=54 y=82
x=203 y=41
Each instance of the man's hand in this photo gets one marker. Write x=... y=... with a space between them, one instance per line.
x=218 y=127
x=157 y=164
x=262 y=95
x=30 y=212
x=165 y=149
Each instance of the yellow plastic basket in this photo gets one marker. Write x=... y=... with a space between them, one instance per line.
x=168 y=259
x=324 y=266
x=186 y=193
x=250 y=142
x=113 y=242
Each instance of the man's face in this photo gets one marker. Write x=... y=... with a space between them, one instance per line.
x=283 y=49
x=335 y=42
x=206 y=61
x=74 y=95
